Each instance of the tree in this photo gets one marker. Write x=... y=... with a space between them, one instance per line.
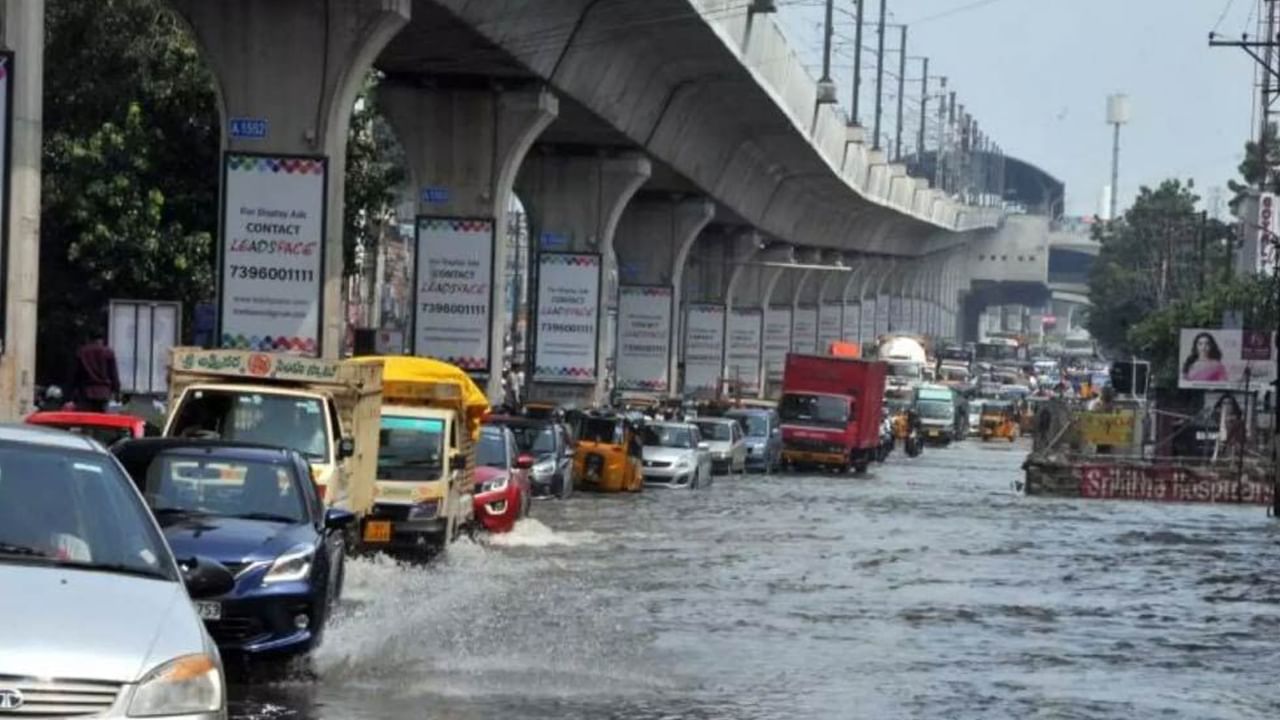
x=1155 y=337
x=130 y=186
x=375 y=171
x=1254 y=167
x=1158 y=253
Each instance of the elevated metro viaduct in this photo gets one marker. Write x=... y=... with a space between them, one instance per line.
x=680 y=140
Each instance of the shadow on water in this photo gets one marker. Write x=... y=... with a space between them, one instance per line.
x=927 y=588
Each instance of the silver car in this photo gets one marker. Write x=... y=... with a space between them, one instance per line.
x=98 y=620
x=727 y=443
x=675 y=456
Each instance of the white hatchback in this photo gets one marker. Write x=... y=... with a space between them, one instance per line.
x=107 y=628
x=727 y=442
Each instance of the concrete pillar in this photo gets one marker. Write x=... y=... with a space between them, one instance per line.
x=298 y=65
x=657 y=236
x=470 y=143
x=23 y=33
x=581 y=198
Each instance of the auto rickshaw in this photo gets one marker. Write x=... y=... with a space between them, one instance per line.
x=998 y=421
x=607 y=457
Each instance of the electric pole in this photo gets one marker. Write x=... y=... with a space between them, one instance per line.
x=902 y=93
x=1270 y=78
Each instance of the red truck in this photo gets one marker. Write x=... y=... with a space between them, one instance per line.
x=831 y=410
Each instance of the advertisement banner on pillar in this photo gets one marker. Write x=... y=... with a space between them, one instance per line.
x=644 y=337
x=271 y=278
x=776 y=343
x=804 y=330
x=743 y=355
x=6 y=142
x=850 y=326
x=568 y=318
x=703 y=348
x=453 y=275
x=830 y=325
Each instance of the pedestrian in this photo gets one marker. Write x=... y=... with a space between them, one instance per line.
x=96 y=378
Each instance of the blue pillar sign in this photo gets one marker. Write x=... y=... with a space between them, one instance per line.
x=242 y=128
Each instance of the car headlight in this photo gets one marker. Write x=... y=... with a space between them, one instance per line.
x=292 y=566
x=546 y=467
x=684 y=464
x=183 y=686
x=495 y=485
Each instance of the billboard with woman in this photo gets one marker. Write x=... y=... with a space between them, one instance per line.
x=1211 y=359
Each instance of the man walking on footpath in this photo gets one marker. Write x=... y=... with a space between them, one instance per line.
x=96 y=378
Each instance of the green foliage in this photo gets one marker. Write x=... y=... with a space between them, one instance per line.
x=1254 y=167
x=1159 y=253
x=375 y=171
x=130 y=156
x=1156 y=337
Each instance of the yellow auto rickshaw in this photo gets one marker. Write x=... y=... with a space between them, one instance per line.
x=607 y=457
x=998 y=421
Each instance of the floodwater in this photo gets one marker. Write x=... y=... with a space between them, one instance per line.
x=929 y=589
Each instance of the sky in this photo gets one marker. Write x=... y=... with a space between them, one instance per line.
x=1036 y=74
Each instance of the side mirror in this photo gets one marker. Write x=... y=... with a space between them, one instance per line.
x=337 y=518
x=776 y=431
x=524 y=461
x=458 y=461
x=704 y=446
x=206 y=578
x=346 y=448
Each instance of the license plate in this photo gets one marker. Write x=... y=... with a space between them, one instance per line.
x=933 y=433
x=209 y=610
x=377 y=531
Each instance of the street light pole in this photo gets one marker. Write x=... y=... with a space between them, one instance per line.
x=857 y=66
x=902 y=92
x=924 y=105
x=875 y=144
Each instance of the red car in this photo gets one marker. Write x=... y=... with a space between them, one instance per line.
x=502 y=480
x=106 y=428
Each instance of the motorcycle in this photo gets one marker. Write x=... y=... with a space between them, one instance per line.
x=913 y=444
x=886 y=439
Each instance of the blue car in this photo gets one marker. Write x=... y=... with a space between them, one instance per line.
x=255 y=510
x=763 y=432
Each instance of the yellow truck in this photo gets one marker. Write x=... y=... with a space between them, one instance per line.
x=326 y=410
x=430 y=421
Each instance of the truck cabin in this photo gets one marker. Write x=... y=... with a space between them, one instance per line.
x=813 y=409
x=905 y=372
x=302 y=422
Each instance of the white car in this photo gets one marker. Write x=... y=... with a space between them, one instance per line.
x=675 y=456
x=727 y=442
x=975 y=417
x=98 y=621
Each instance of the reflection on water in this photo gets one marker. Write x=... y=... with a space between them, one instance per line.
x=929 y=589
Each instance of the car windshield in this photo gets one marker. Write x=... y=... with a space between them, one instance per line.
x=936 y=409
x=537 y=440
x=410 y=448
x=757 y=425
x=715 y=430
x=826 y=410
x=909 y=370
x=491 y=451
x=672 y=436
x=277 y=420
x=75 y=509
x=205 y=484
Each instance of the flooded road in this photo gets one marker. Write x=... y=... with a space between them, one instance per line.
x=928 y=589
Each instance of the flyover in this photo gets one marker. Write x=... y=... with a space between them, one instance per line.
x=680 y=141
